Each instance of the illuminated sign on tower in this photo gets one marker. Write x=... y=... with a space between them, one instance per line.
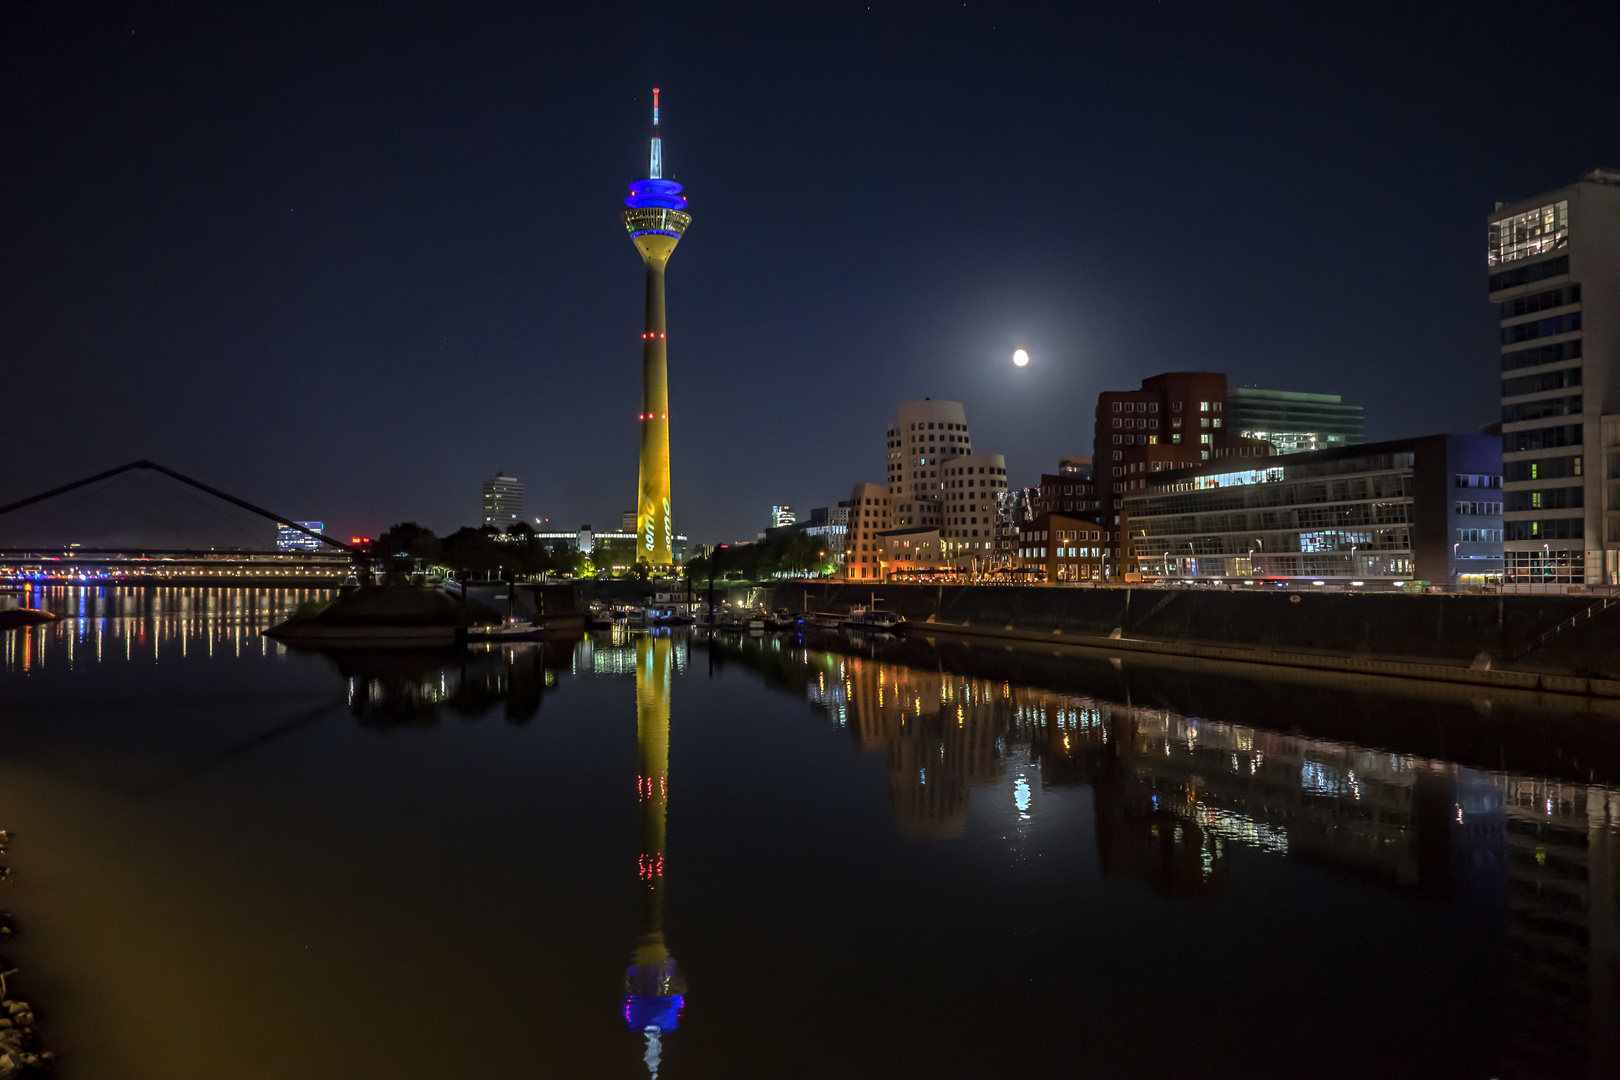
x=656 y=222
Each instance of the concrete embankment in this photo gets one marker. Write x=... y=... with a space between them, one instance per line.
x=20 y=1054
x=1562 y=644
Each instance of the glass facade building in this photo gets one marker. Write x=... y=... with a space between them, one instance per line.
x=1413 y=510
x=1293 y=422
x=290 y=539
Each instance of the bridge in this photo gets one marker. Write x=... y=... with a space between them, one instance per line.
x=91 y=562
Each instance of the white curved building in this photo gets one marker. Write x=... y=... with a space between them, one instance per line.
x=971 y=487
x=922 y=436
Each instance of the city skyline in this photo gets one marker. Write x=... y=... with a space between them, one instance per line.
x=402 y=289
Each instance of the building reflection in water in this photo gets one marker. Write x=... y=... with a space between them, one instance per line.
x=1176 y=795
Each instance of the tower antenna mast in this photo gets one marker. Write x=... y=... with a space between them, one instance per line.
x=655 y=169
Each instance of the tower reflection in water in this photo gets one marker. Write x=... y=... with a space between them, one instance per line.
x=654 y=992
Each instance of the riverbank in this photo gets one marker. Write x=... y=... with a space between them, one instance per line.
x=1540 y=643
x=20 y=1054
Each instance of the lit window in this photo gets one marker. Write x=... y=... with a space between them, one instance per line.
x=1525 y=235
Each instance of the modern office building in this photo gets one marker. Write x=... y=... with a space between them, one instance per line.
x=1175 y=421
x=656 y=222
x=1554 y=263
x=1293 y=422
x=870 y=513
x=782 y=515
x=501 y=498
x=1425 y=510
x=290 y=539
x=627 y=521
x=1075 y=466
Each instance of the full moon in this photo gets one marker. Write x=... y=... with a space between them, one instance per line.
x=1021 y=358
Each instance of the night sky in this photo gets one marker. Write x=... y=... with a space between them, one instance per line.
x=347 y=261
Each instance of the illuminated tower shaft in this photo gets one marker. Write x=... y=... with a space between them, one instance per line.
x=655 y=223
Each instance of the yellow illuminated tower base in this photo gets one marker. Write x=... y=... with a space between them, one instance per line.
x=656 y=223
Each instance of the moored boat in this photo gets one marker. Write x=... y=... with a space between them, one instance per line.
x=872 y=620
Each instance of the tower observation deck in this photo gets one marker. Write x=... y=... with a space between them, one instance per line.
x=656 y=221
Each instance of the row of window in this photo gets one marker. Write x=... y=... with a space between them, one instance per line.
x=1526 y=235
x=1545 y=380
x=1572 y=528
x=1063 y=552
x=1544 y=567
x=1538 y=410
x=1541 y=438
x=937 y=438
x=1540 y=328
x=1333 y=518
x=1475 y=480
x=1153 y=406
x=1480 y=509
x=1312 y=542
x=1563 y=498
x=1543 y=469
x=1545 y=301
x=1479 y=536
x=1524 y=275
x=1542 y=354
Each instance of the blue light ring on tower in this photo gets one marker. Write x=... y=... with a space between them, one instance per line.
x=655 y=193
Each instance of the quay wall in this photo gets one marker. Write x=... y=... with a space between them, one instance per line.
x=1447 y=630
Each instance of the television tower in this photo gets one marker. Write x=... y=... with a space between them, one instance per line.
x=656 y=223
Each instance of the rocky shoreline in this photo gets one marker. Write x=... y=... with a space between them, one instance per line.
x=20 y=1053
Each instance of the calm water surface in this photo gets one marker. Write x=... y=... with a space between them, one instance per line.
x=813 y=857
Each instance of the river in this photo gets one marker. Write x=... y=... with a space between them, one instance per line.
x=648 y=854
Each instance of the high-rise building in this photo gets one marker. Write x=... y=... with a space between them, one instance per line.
x=656 y=222
x=502 y=500
x=1554 y=264
x=782 y=515
x=1291 y=421
x=1174 y=421
x=627 y=521
x=291 y=539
